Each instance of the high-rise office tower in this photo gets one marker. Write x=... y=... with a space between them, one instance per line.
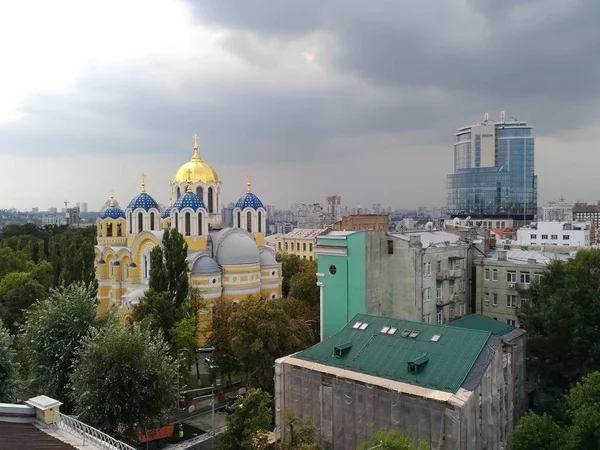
x=334 y=206
x=494 y=172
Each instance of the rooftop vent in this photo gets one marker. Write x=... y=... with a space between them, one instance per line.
x=413 y=334
x=435 y=337
x=405 y=333
x=417 y=364
x=341 y=350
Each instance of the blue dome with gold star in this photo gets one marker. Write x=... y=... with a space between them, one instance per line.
x=143 y=201
x=189 y=200
x=112 y=212
x=249 y=200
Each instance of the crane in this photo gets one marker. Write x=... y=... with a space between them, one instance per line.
x=66 y=204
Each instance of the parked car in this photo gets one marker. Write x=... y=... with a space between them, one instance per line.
x=205 y=350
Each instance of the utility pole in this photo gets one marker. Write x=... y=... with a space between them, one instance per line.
x=212 y=391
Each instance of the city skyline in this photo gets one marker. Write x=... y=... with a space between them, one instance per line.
x=306 y=92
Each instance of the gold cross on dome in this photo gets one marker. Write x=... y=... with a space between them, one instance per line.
x=143 y=182
x=189 y=176
x=248 y=183
x=195 y=142
x=112 y=197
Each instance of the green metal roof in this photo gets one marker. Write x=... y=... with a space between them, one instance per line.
x=483 y=323
x=386 y=355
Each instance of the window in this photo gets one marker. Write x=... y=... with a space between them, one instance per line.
x=390 y=247
x=310 y=258
x=304 y=246
x=239 y=222
x=463 y=309
x=438 y=293
x=486 y=274
x=511 y=277
x=279 y=245
x=109 y=230
x=200 y=227
x=427 y=318
x=130 y=223
x=332 y=270
x=248 y=220
x=119 y=230
x=486 y=298
x=525 y=278
x=555 y=236
x=260 y=221
x=534 y=236
x=451 y=314
x=188 y=224
x=140 y=222
x=439 y=318
x=177 y=221
x=438 y=266
x=211 y=200
x=457 y=264
x=426 y=294
x=495 y=299
x=286 y=245
x=538 y=277
x=200 y=193
x=494 y=274
x=565 y=237
x=152 y=221
x=544 y=236
x=310 y=247
x=427 y=269
x=511 y=301
x=503 y=224
x=511 y=322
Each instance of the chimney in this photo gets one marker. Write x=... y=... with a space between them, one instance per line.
x=501 y=255
x=531 y=261
x=45 y=408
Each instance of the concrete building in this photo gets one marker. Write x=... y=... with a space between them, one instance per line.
x=35 y=210
x=488 y=222
x=565 y=234
x=559 y=211
x=420 y=276
x=458 y=387
x=363 y=222
x=503 y=279
x=52 y=210
x=300 y=242
x=310 y=216
x=53 y=219
x=334 y=207
x=494 y=172
x=72 y=216
x=582 y=212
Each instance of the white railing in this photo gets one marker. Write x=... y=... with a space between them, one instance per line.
x=88 y=434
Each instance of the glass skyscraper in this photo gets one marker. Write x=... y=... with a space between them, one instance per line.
x=494 y=172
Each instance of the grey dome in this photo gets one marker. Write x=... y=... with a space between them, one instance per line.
x=267 y=259
x=205 y=265
x=237 y=248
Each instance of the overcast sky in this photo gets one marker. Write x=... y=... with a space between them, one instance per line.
x=312 y=97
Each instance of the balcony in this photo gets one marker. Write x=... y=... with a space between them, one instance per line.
x=441 y=275
x=455 y=273
x=455 y=297
x=523 y=286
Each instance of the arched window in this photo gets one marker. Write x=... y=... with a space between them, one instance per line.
x=177 y=221
x=119 y=230
x=260 y=221
x=178 y=193
x=146 y=267
x=152 y=221
x=249 y=222
x=199 y=224
x=200 y=193
x=125 y=271
x=130 y=223
x=188 y=224
x=109 y=230
x=140 y=222
x=100 y=230
x=239 y=219
x=210 y=200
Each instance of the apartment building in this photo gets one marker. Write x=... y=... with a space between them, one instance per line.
x=363 y=222
x=563 y=234
x=300 y=242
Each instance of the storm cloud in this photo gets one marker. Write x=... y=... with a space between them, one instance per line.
x=314 y=98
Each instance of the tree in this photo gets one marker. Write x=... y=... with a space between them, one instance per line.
x=535 y=432
x=261 y=331
x=158 y=312
x=125 y=380
x=583 y=403
x=183 y=345
x=249 y=424
x=290 y=265
x=159 y=278
x=303 y=434
x=223 y=356
x=52 y=333
x=392 y=440
x=18 y=291
x=303 y=286
x=175 y=251
x=567 y=298
x=8 y=368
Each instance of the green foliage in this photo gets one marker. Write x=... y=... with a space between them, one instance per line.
x=535 y=432
x=290 y=265
x=303 y=434
x=183 y=345
x=8 y=368
x=125 y=380
x=584 y=413
x=18 y=291
x=392 y=440
x=261 y=331
x=51 y=335
x=175 y=251
x=159 y=278
x=249 y=424
x=303 y=286
x=562 y=319
x=72 y=256
x=10 y=261
x=223 y=355
x=157 y=311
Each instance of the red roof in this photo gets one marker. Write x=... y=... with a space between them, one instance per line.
x=25 y=436
x=498 y=231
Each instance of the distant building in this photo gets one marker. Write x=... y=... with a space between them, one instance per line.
x=72 y=216
x=419 y=276
x=35 y=210
x=565 y=234
x=227 y=216
x=559 y=211
x=53 y=219
x=363 y=222
x=582 y=212
x=300 y=242
x=334 y=206
x=494 y=172
x=459 y=387
x=52 y=210
x=84 y=207
x=310 y=215
x=503 y=279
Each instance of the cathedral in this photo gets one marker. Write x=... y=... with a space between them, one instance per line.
x=223 y=263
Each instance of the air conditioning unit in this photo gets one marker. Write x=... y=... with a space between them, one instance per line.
x=511 y=285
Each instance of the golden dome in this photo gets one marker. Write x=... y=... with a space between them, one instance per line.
x=196 y=171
